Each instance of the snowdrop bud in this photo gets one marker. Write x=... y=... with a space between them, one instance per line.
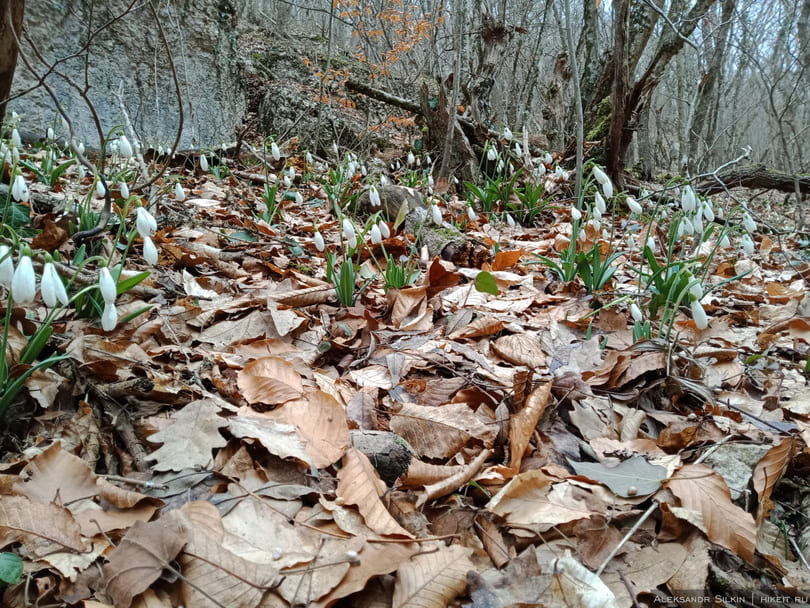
x=436 y=214
x=374 y=196
x=49 y=134
x=107 y=286
x=634 y=205
x=109 y=318
x=540 y=170
x=454 y=179
x=507 y=134
x=6 y=267
x=600 y=176
x=335 y=148
x=597 y=215
x=492 y=153
x=698 y=219
x=145 y=222
x=500 y=165
x=510 y=220
x=384 y=181
x=430 y=181
x=576 y=214
x=635 y=312
x=100 y=189
x=299 y=198
x=81 y=172
x=363 y=170
x=428 y=160
x=160 y=150
x=518 y=149
x=688 y=226
x=696 y=291
x=376 y=235
x=53 y=290
x=16 y=141
x=320 y=245
x=699 y=315
x=24 y=282
x=411 y=159
x=607 y=188
x=150 y=252
x=547 y=158
x=747 y=244
x=384 y=229
x=80 y=147
x=124 y=147
x=682 y=228
x=179 y=193
x=631 y=240
x=651 y=243
x=308 y=158
x=348 y=228
x=725 y=243
x=122 y=186
x=352 y=241
x=748 y=222
x=286 y=181
x=600 y=202
x=291 y=172
x=558 y=171
x=274 y=151
x=20 y=189
x=471 y=213
x=688 y=201
x=203 y=163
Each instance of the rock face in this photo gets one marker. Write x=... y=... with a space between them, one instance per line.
x=128 y=59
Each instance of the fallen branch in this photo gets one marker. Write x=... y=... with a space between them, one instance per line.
x=754 y=176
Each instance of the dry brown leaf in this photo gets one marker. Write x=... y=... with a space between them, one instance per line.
x=56 y=476
x=43 y=528
x=440 y=432
x=408 y=303
x=359 y=484
x=432 y=580
x=506 y=259
x=190 y=439
x=269 y=380
x=277 y=438
x=522 y=425
x=702 y=491
x=483 y=326
x=768 y=471
x=520 y=349
x=462 y=475
x=306 y=297
x=574 y=586
x=321 y=423
x=139 y=559
x=493 y=541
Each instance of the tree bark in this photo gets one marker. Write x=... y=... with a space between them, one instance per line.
x=755 y=176
x=614 y=151
x=11 y=16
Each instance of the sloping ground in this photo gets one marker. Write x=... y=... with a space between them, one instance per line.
x=208 y=452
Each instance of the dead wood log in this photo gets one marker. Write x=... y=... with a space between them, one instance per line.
x=754 y=176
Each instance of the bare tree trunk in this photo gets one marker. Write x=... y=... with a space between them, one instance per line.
x=11 y=16
x=494 y=35
x=614 y=150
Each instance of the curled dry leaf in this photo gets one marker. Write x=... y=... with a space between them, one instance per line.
x=440 y=432
x=42 y=528
x=269 y=380
x=768 y=471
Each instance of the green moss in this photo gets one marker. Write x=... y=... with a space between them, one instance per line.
x=601 y=122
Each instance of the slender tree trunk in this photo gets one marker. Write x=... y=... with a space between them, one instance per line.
x=618 y=118
x=11 y=16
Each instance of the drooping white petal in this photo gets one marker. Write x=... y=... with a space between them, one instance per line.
x=436 y=214
x=600 y=176
x=471 y=213
x=747 y=244
x=699 y=315
x=576 y=214
x=348 y=228
x=100 y=189
x=374 y=196
x=145 y=223
x=375 y=234
x=124 y=147
x=6 y=267
x=384 y=230
x=599 y=202
x=492 y=153
x=274 y=151
x=19 y=190
x=635 y=312
x=53 y=290
x=203 y=163
x=107 y=285
x=748 y=222
x=122 y=186
x=109 y=318
x=179 y=193
x=150 y=252
x=24 y=282
x=634 y=205
x=507 y=134
x=320 y=245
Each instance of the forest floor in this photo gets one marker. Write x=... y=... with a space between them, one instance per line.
x=217 y=449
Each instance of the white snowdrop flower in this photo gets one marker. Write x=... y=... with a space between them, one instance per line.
x=607 y=188
x=100 y=189
x=114 y=147
x=724 y=243
x=375 y=234
x=430 y=181
x=492 y=153
x=510 y=220
x=384 y=181
x=286 y=181
x=299 y=198
x=179 y=193
x=688 y=201
x=631 y=240
x=597 y=215
x=374 y=196
x=576 y=214
x=507 y=134
x=24 y=282
x=454 y=179
x=411 y=159
x=748 y=222
x=320 y=245
x=49 y=134
x=122 y=186
x=150 y=252
x=109 y=318
x=6 y=267
x=540 y=170
x=352 y=241
x=203 y=163
x=635 y=312
x=518 y=149
x=107 y=285
x=160 y=150
x=53 y=290
x=274 y=151
x=19 y=190
x=747 y=244
x=16 y=140
x=547 y=158
x=500 y=165
x=708 y=212
x=600 y=176
x=471 y=213
x=291 y=172
x=80 y=147
x=698 y=217
x=688 y=227
x=436 y=214
x=719 y=213
x=81 y=172
x=428 y=160
x=335 y=148
x=651 y=243
x=699 y=315
x=634 y=205
x=681 y=228
x=308 y=158
x=384 y=229
x=363 y=170
x=605 y=233
x=348 y=229
x=558 y=171
x=511 y=168
x=124 y=147
x=696 y=291
x=145 y=222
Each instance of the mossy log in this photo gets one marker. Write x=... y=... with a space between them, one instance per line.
x=754 y=176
